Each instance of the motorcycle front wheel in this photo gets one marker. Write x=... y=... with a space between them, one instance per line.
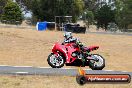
x=97 y=65
x=55 y=61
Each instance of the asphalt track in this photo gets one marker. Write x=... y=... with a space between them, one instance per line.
x=28 y=70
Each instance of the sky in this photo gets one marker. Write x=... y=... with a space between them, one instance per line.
x=28 y=14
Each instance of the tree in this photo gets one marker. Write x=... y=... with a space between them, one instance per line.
x=25 y=5
x=77 y=9
x=88 y=17
x=123 y=13
x=128 y=15
x=12 y=12
x=2 y=5
x=105 y=15
x=48 y=9
x=93 y=5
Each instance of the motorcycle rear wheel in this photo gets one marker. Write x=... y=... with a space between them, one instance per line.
x=97 y=65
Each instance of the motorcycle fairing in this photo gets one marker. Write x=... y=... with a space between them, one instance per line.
x=66 y=50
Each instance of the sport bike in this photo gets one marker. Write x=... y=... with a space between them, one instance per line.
x=72 y=54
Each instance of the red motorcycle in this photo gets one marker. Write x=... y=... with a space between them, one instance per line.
x=72 y=54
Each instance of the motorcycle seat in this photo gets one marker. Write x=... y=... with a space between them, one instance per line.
x=91 y=48
x=85 y=49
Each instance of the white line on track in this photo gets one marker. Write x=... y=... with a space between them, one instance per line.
x=21 y=66
x=58 y=68
x=21 y=72
x=32 y=66
x=3 y=65
x=13 y=66
x=109 y=70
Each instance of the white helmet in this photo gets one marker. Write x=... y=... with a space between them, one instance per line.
x=67 y=35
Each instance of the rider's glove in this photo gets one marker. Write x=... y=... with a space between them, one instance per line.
x=79 y=43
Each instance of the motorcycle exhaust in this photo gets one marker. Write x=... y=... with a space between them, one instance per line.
x=93 y=58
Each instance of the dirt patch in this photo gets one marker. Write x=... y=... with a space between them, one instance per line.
x=31 y=47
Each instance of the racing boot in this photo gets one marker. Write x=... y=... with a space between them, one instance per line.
x=83 y=62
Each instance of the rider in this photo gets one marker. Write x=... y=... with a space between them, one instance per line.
x=70 y=39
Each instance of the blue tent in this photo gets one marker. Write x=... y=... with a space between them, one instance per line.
x=41 y=26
